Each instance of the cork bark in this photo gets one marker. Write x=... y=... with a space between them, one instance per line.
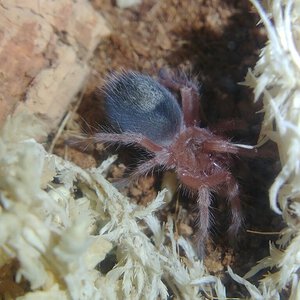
x=45 y=48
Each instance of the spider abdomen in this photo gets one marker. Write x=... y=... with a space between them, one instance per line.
x=139 y=104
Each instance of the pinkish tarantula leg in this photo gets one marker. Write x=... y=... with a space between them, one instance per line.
x=206 y=182
x=161 y=155
x=191 y=106
x=203 y=220
x=209 y=181
x=149 y=165
x=127 y=139
x=202 y=184
x=142 y=170
x=192 y=110
x=221 y=146
x=235 y=204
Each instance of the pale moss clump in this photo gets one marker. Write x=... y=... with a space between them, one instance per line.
x=276 y=80
x=42 y=226
x=59 y=239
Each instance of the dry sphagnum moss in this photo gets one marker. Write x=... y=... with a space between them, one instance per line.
x=60 y=221
x=276 y=79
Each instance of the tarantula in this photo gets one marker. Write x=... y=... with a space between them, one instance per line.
x=146 y=113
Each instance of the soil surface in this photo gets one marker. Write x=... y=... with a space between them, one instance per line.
x=217 y=41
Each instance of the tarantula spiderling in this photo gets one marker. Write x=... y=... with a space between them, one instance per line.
x=147 y=114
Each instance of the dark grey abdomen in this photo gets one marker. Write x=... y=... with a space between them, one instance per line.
x=137 y=103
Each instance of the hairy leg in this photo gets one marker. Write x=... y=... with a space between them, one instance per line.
x=217 y=144
x=176 y=81
x=190 y=106
x=160 y=159
x=235 y=204
x=221 y=146
x=192 y=110
x=203 y=220
x=204 y=184
x=127 y=139
x=142 y=170
x=204 y=181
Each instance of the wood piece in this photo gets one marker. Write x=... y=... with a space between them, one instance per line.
x=45 y=47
